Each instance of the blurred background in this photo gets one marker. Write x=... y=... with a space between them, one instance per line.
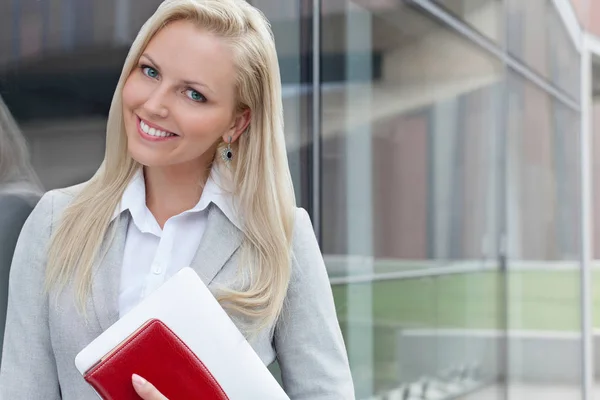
x=445 y=150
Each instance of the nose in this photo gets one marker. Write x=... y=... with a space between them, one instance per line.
x=156 y=104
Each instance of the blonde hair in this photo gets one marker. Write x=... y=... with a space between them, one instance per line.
x=16 y=173
x=260 y=179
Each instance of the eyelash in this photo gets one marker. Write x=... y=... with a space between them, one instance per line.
x=202 y=100
x=143 y=67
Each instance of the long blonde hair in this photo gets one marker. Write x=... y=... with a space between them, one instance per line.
x=260 y=179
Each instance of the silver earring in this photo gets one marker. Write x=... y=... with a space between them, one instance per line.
x=227 y=153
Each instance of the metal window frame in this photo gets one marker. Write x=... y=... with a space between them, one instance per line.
x=590 y=47
x=316 y=118
x=470 y=33
x=569 y=18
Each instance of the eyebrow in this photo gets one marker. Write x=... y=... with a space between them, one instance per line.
x=185 y=81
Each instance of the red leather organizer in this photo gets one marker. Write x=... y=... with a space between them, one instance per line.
x=160 y=356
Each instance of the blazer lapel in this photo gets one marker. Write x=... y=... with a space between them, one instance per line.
x=220 y=240
x=107 y=275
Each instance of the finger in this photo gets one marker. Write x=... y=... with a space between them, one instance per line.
x=145 y=389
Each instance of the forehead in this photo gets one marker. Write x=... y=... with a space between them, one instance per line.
x=184 y=51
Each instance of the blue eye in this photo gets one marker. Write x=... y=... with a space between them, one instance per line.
x=195 y=95
x=149 y=71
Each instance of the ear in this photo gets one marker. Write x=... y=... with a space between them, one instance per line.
x=240 y=124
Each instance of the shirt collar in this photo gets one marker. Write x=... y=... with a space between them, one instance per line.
x=134 y=200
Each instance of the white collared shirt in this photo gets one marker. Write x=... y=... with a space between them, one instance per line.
x=152 y=255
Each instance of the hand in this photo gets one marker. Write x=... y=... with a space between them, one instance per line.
x=145 y=389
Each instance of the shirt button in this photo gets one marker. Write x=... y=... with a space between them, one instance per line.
x=157 y=269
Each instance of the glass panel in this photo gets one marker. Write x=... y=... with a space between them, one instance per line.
x=538 y=36
x=487 y=16
x=527 y=33
x=410 y=203
x=544 y=245
x=565 y=60
x=293 y=40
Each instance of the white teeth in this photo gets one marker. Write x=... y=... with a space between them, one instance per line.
x=153 y=131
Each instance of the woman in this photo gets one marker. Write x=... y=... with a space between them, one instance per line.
x=20 y=190
x=195 y=173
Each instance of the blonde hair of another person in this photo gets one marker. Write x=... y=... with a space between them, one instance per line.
x=258 y=178
x=16 y=173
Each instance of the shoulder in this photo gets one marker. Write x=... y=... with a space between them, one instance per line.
x=64 y=196
x=307 y=260
x=302 y=222
x=52 y=204
x=304 y=234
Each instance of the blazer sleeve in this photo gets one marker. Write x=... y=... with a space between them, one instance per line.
x=307 y=338
x=28 y=369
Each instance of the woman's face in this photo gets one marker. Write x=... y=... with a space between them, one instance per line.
x=179 y=102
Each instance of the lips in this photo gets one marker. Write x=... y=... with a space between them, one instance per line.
x=152 y=132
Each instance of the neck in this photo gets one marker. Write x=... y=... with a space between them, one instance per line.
x=174 y=189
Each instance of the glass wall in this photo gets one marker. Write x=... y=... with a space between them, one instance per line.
x=446 y=183
x=544 y=243
x=450 y=198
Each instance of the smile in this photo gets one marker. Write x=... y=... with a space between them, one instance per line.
x=152 y=132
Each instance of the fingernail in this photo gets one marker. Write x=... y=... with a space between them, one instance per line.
x=138 y=380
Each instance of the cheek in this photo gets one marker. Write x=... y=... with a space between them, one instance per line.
x=132 y=93
x=203 y=125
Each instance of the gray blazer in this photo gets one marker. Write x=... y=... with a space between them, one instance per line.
x=43 y=335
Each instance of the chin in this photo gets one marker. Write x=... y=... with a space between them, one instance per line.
x=145 y=157
x=147 y=161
